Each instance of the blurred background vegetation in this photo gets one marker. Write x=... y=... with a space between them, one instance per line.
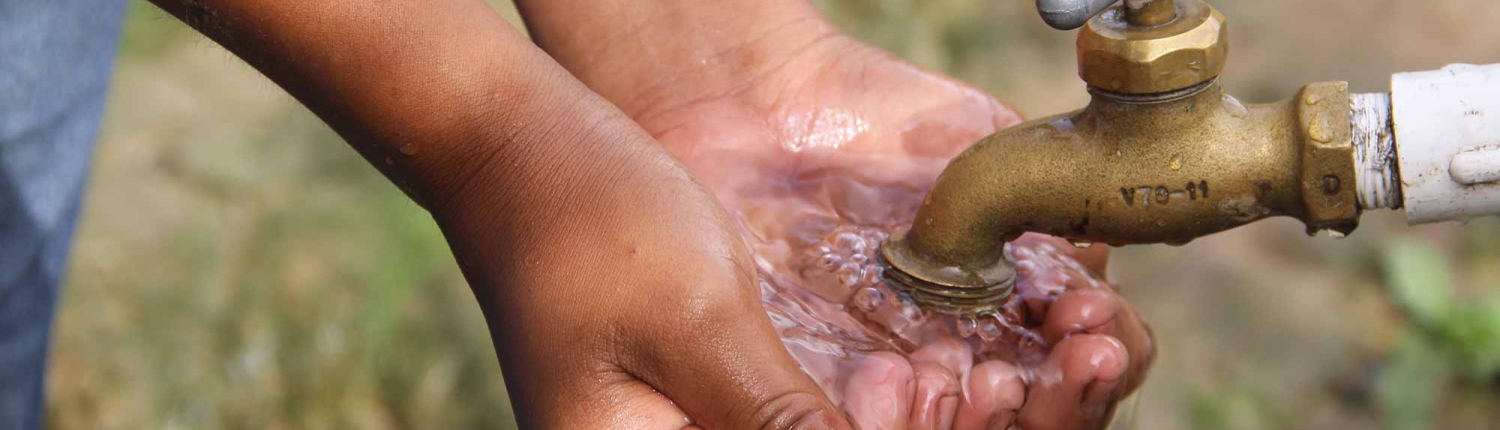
x=237 y=267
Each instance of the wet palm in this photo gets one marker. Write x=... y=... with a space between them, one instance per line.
x=843 y=134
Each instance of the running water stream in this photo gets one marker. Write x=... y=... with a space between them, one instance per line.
x=824 y=290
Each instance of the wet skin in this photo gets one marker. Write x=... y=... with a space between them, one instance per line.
x=787 y=119
x=617 y=289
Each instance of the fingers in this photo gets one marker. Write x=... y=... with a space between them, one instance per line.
x=1074 y=388
x=995 y=392
x=730 y=371
x=879 y=393
x=1062 y=301
x=952 y=354
x=885 y=392
x=1087 y=309
x=639 y=407
x=1076 y=385
x=940 y=366
x=1139 y=341
x=937 y=396
x=1081 y=311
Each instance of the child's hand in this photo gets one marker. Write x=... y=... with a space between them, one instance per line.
x=617 y=293
x=630 y=303
x=1093 y=348
x=769 y=105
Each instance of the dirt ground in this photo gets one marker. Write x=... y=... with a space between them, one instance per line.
x=237 y=267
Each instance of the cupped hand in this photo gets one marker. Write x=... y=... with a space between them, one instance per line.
x=798 y=129
x=618 y=291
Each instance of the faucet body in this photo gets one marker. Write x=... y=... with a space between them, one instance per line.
x=1127 y=171
x=1160 y=155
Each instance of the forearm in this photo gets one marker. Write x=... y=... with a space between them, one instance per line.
x=501 y=144
x=431 y=92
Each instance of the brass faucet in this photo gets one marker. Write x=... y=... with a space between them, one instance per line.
x=1160 y=155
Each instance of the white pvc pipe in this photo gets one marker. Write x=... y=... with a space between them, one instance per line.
x=1447 y=142
x=1476 y=166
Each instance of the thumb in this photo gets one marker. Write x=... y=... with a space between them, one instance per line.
x=737 y=375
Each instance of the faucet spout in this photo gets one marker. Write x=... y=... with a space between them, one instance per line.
x=1167 y=168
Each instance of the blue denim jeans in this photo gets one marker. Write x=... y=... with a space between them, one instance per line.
x=55 y=60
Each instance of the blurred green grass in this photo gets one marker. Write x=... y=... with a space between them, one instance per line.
x=237 y=267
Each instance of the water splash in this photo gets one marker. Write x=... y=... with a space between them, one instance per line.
x=815 y=243
x=829 y=299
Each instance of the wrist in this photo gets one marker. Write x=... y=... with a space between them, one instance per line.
x=547 y=208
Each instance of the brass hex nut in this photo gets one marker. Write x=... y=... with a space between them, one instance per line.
x=1115 y=56
x=1327 y=167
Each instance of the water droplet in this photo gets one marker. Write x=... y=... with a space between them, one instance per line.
x=1312 y=98
x=1330 y=233
x=990 y=328
x=849 y=243
x=909 y=309
x=874 y=275
x=1320 y=130
x=868 y=299
x=851 y=275
x=1082 y=244
x=859 y=259
x=1177 y=162
x=828 y=261
x=409 y=149
x=1235 y=108
x=967 y=326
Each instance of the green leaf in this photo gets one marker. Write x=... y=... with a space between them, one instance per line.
x=1419 y=281
x=1410 y=384
x=1472 y=335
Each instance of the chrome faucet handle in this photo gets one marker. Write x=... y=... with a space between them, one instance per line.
x=1072 y=14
